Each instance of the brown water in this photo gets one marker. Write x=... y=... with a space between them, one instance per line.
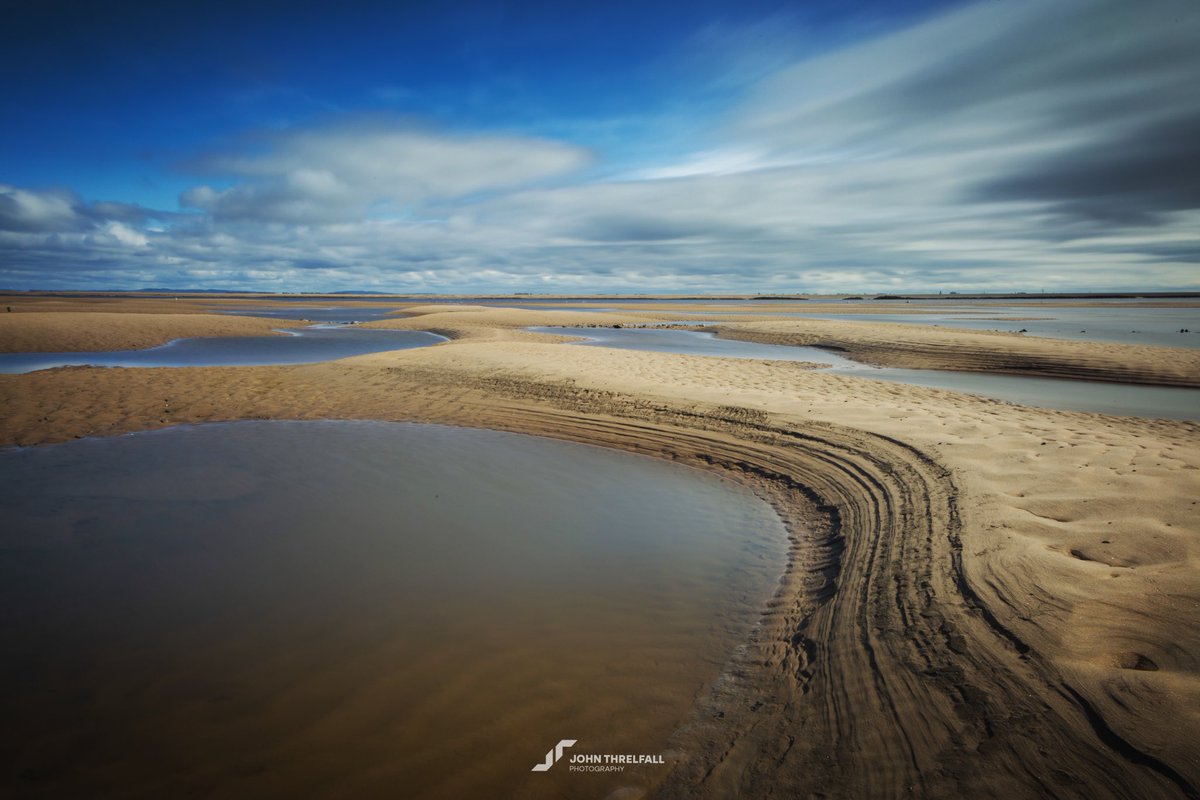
x=349 y=609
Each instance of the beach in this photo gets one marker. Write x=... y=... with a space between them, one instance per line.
x=979 y=597
x=71 y=331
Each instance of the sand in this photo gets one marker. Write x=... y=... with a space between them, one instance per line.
x=928 y=347
x=878 y=343
x=69 y=332
x=981 y=598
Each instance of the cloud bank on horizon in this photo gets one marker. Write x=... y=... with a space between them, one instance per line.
x=1018 y=145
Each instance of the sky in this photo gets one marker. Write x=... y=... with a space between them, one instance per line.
x=838 y=146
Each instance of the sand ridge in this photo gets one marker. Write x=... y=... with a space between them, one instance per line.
x=878 y=343
x=69 y=331
x=929 y=347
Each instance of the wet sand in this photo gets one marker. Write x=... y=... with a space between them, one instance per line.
x=883 y=344
x=927 y=347
x=981 y=598
x=67 y=331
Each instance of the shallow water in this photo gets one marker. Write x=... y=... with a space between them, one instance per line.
x=696 y=343
x=301 y=346
x=1067 y=395
x=331 y=314
x=361 y=609
x=1122 y=399
x=1119 y=321
x=1113 y=322
x=545 y=306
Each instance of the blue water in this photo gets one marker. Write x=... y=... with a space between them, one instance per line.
x=1067 y=395
x=1117 y=321
x=1159 y=326
x=695 y=343
x=552 y=307
x=300 y=346
x=327 y=314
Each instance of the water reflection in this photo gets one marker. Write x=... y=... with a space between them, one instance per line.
x=1158 y=326
x=261 y=608
x=302 y=346
x=328 y=314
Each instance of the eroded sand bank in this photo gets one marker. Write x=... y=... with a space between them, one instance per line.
x=69 y=332
x=981 y=598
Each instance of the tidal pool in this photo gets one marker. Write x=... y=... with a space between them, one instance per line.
x=1161 y=326
x=1114 y=320
x=301 y=346
x=329 y=314
x=1067 y=395
x=359 y=609
x=696 y=343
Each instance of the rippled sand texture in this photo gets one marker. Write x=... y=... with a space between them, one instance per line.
x=982 y=599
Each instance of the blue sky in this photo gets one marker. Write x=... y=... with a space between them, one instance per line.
x=557 y=147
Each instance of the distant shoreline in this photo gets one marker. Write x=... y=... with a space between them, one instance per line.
x=585 y=298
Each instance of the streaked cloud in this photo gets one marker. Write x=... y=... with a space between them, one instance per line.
x=336 y=174
x=1015 y=145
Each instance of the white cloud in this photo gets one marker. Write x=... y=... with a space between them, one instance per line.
x=1014 y=145
x=126 y=235
x=336 y=174
x=29 y=210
